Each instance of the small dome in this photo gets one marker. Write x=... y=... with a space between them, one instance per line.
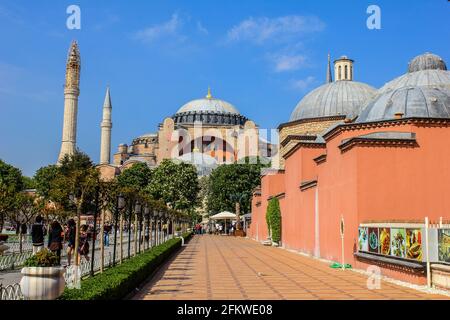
x=423 y=78
x=417 y=101
x=427 y=61
x=344 y=98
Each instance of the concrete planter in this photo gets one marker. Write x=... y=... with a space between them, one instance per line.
x=42 y=283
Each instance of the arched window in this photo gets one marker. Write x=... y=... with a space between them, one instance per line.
x=339 y=75
x=351 y=72
x=346 y=73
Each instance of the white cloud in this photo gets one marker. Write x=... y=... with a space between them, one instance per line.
x=262 y=30
x=303 y=84
x=168 y=28
x=202 y=29
x=284 y=62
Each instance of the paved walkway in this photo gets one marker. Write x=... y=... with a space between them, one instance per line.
x=220 y=267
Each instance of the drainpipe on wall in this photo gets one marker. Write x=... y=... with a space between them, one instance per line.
x=316 y=224
x=427 y=248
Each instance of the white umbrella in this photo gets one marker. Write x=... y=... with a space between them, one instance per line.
x=224 y=216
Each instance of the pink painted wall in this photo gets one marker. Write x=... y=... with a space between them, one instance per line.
x=364 y=183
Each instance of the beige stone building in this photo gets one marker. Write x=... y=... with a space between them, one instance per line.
x=206 y=132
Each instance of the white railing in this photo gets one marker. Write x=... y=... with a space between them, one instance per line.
x=11 y=292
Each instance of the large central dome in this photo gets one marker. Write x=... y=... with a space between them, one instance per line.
x=208 y=104
x=209 y=110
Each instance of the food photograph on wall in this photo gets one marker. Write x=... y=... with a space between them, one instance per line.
x=363 y=240
x=398 y=242
x=414 y=244
x=385 y=241
x=444 y=245
x=374 y=240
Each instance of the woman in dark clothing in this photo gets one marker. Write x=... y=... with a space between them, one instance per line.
x=55 y=239
x=83 y=249
x=71 y=232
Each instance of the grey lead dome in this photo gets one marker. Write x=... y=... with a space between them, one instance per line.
x=334 y=99
x=422 y=92
x=427 y=61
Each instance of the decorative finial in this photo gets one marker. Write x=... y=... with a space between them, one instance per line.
x=209 y=96
x=329 y=76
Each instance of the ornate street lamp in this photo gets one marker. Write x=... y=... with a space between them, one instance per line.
x=120 y=204
x=147 y=227
x=137 y=212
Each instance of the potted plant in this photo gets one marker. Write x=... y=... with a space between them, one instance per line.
x=42 y=279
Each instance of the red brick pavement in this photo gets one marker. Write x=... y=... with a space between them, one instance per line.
x=221 y=267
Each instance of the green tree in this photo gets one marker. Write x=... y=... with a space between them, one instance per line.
x=176 y=184
x=24 y=209
x=11 y=183
x=75 y=184
x=136 y=177
x=274 y=216
x=231 y=184
x=43 y=180
x=28 y=183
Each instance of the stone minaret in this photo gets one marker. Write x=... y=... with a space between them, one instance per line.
x=106 y=125
x=71 y=93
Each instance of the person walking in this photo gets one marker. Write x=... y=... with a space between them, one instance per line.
x=83 y=249
x=55 y=239
x=38 y=233
x=106 y=230
x=70 y=235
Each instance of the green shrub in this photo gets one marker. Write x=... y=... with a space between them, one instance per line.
x=117 y=282
x=43 y=258
x=274 y=216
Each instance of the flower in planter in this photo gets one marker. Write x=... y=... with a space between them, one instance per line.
x=42 y=278
x=43 y=258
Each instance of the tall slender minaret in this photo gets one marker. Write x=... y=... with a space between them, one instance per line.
x=106 y=125
x=71 y=93
x=329 y=77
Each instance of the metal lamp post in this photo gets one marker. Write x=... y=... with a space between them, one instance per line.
x=120 y=204
x=147 y=224
x=137 y=212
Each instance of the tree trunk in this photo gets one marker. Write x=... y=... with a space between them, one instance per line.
x=135 y=234
x=102 y=241
x=77 y=234
x=238 y=216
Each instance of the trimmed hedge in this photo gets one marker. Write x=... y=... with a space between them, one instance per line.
x=117 y=282
x=274 y=215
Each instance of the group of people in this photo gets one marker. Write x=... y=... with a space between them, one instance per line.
x=57 y=236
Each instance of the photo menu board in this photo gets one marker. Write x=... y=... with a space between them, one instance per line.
x=414 y=250
x=374 y=242
x=398 y=242
x=444 y=245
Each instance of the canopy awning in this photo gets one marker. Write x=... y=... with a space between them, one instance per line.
x=223 y=215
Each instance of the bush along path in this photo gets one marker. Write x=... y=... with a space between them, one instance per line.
x=116 y=283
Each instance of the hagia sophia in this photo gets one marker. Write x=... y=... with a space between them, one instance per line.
x=205 y=132
x=359 y=172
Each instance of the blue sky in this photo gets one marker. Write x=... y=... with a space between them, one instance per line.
x=262 y=56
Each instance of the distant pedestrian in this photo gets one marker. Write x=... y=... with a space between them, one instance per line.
x=70 y=236
x=55 y=239
x=106 y=230
x=83 y=249
x=38 y=233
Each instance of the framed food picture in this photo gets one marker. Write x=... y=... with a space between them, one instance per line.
x=363 y=239
x=414 y=244
x=444 y=245
x=385 y=241
x=374 y=240
x=398 y=242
